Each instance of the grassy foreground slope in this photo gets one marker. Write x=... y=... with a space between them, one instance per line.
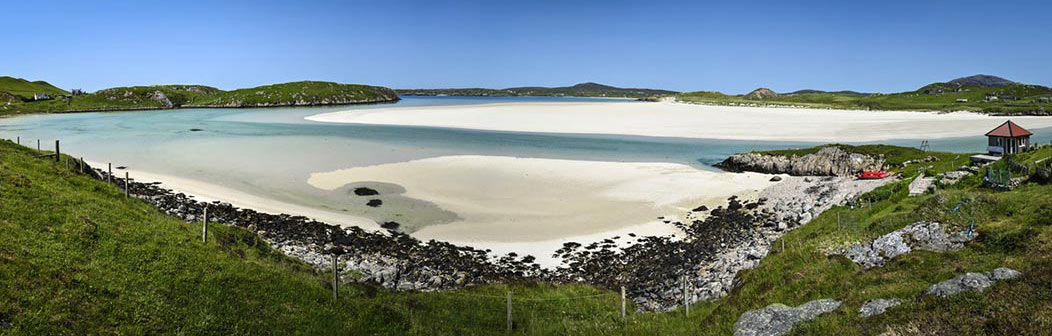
x=76 y=257
x=305 y=93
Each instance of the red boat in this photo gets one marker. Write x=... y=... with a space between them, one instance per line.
x=873 y=175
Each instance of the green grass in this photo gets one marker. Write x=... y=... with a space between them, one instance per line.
x=936 y=97
x=145 y=97
x=76 y=257
x=25 y=90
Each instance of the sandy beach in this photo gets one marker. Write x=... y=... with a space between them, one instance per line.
x=533 y=206
x=669 y=119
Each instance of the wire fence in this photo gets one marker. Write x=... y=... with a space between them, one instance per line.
x=537 y=311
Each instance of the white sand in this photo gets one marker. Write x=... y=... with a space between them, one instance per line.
x=207 y=192
x=667 y=119
x=533 y=206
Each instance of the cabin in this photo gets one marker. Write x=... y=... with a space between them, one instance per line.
x=1006 y=139
x=41 y=96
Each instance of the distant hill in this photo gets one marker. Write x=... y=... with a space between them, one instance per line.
x=305 y=93
x=983 y=81
x=25 y=89
x=588 y=89
x=979 y=93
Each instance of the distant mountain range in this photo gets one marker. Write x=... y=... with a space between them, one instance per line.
x=588 y=89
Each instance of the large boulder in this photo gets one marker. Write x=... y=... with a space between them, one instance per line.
x=928 y=236
x=779 y=319
x=828 y=161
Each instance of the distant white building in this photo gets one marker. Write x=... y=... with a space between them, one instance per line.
x=41 y=96
x=962 y=100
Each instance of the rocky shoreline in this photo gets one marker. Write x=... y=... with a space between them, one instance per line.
x=714 y=246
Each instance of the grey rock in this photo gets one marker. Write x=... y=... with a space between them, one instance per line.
x=828 y=161
x=877 y=306
x=1003 y=273
x=928 y=236
x=972 y=281
x=962 y=283
x=779 y=319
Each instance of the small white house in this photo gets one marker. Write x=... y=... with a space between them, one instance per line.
x=41 y=96
x=962 y=100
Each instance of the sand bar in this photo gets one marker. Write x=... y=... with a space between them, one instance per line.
x=668 y=119
x=208 y=192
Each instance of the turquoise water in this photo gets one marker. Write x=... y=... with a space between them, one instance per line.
x=271 y=151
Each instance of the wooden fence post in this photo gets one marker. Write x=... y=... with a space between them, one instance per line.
x=686 y=302
x=38 y=145
x=335 y=278
x=204 y=227
x=127 y=185
x=622 y=302
x=57 y=152
x=109 y=174
x=509 y=312
x=83 y=166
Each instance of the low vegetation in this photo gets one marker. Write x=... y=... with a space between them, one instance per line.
x=77 y=257
x=175 y=96
x=986 y=94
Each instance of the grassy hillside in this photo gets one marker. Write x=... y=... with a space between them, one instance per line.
x=298 y=93
x=963 y=94
x=579 y=90
x=76 y=257
x=305 y=93
x=25 y=89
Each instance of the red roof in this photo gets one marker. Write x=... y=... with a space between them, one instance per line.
x=1009 y=129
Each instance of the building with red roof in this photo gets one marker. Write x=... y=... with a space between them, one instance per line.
x=1008 y=138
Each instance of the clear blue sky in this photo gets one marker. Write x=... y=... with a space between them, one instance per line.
x=729 y=46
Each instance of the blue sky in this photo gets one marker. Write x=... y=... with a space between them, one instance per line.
x=728 y=46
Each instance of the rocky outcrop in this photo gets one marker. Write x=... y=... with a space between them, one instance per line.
x=718 y=244
x=778 y=319
x=828 y=161
x=971 y=282
x=161 y=98
x=928 y=236
x=877 y=307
